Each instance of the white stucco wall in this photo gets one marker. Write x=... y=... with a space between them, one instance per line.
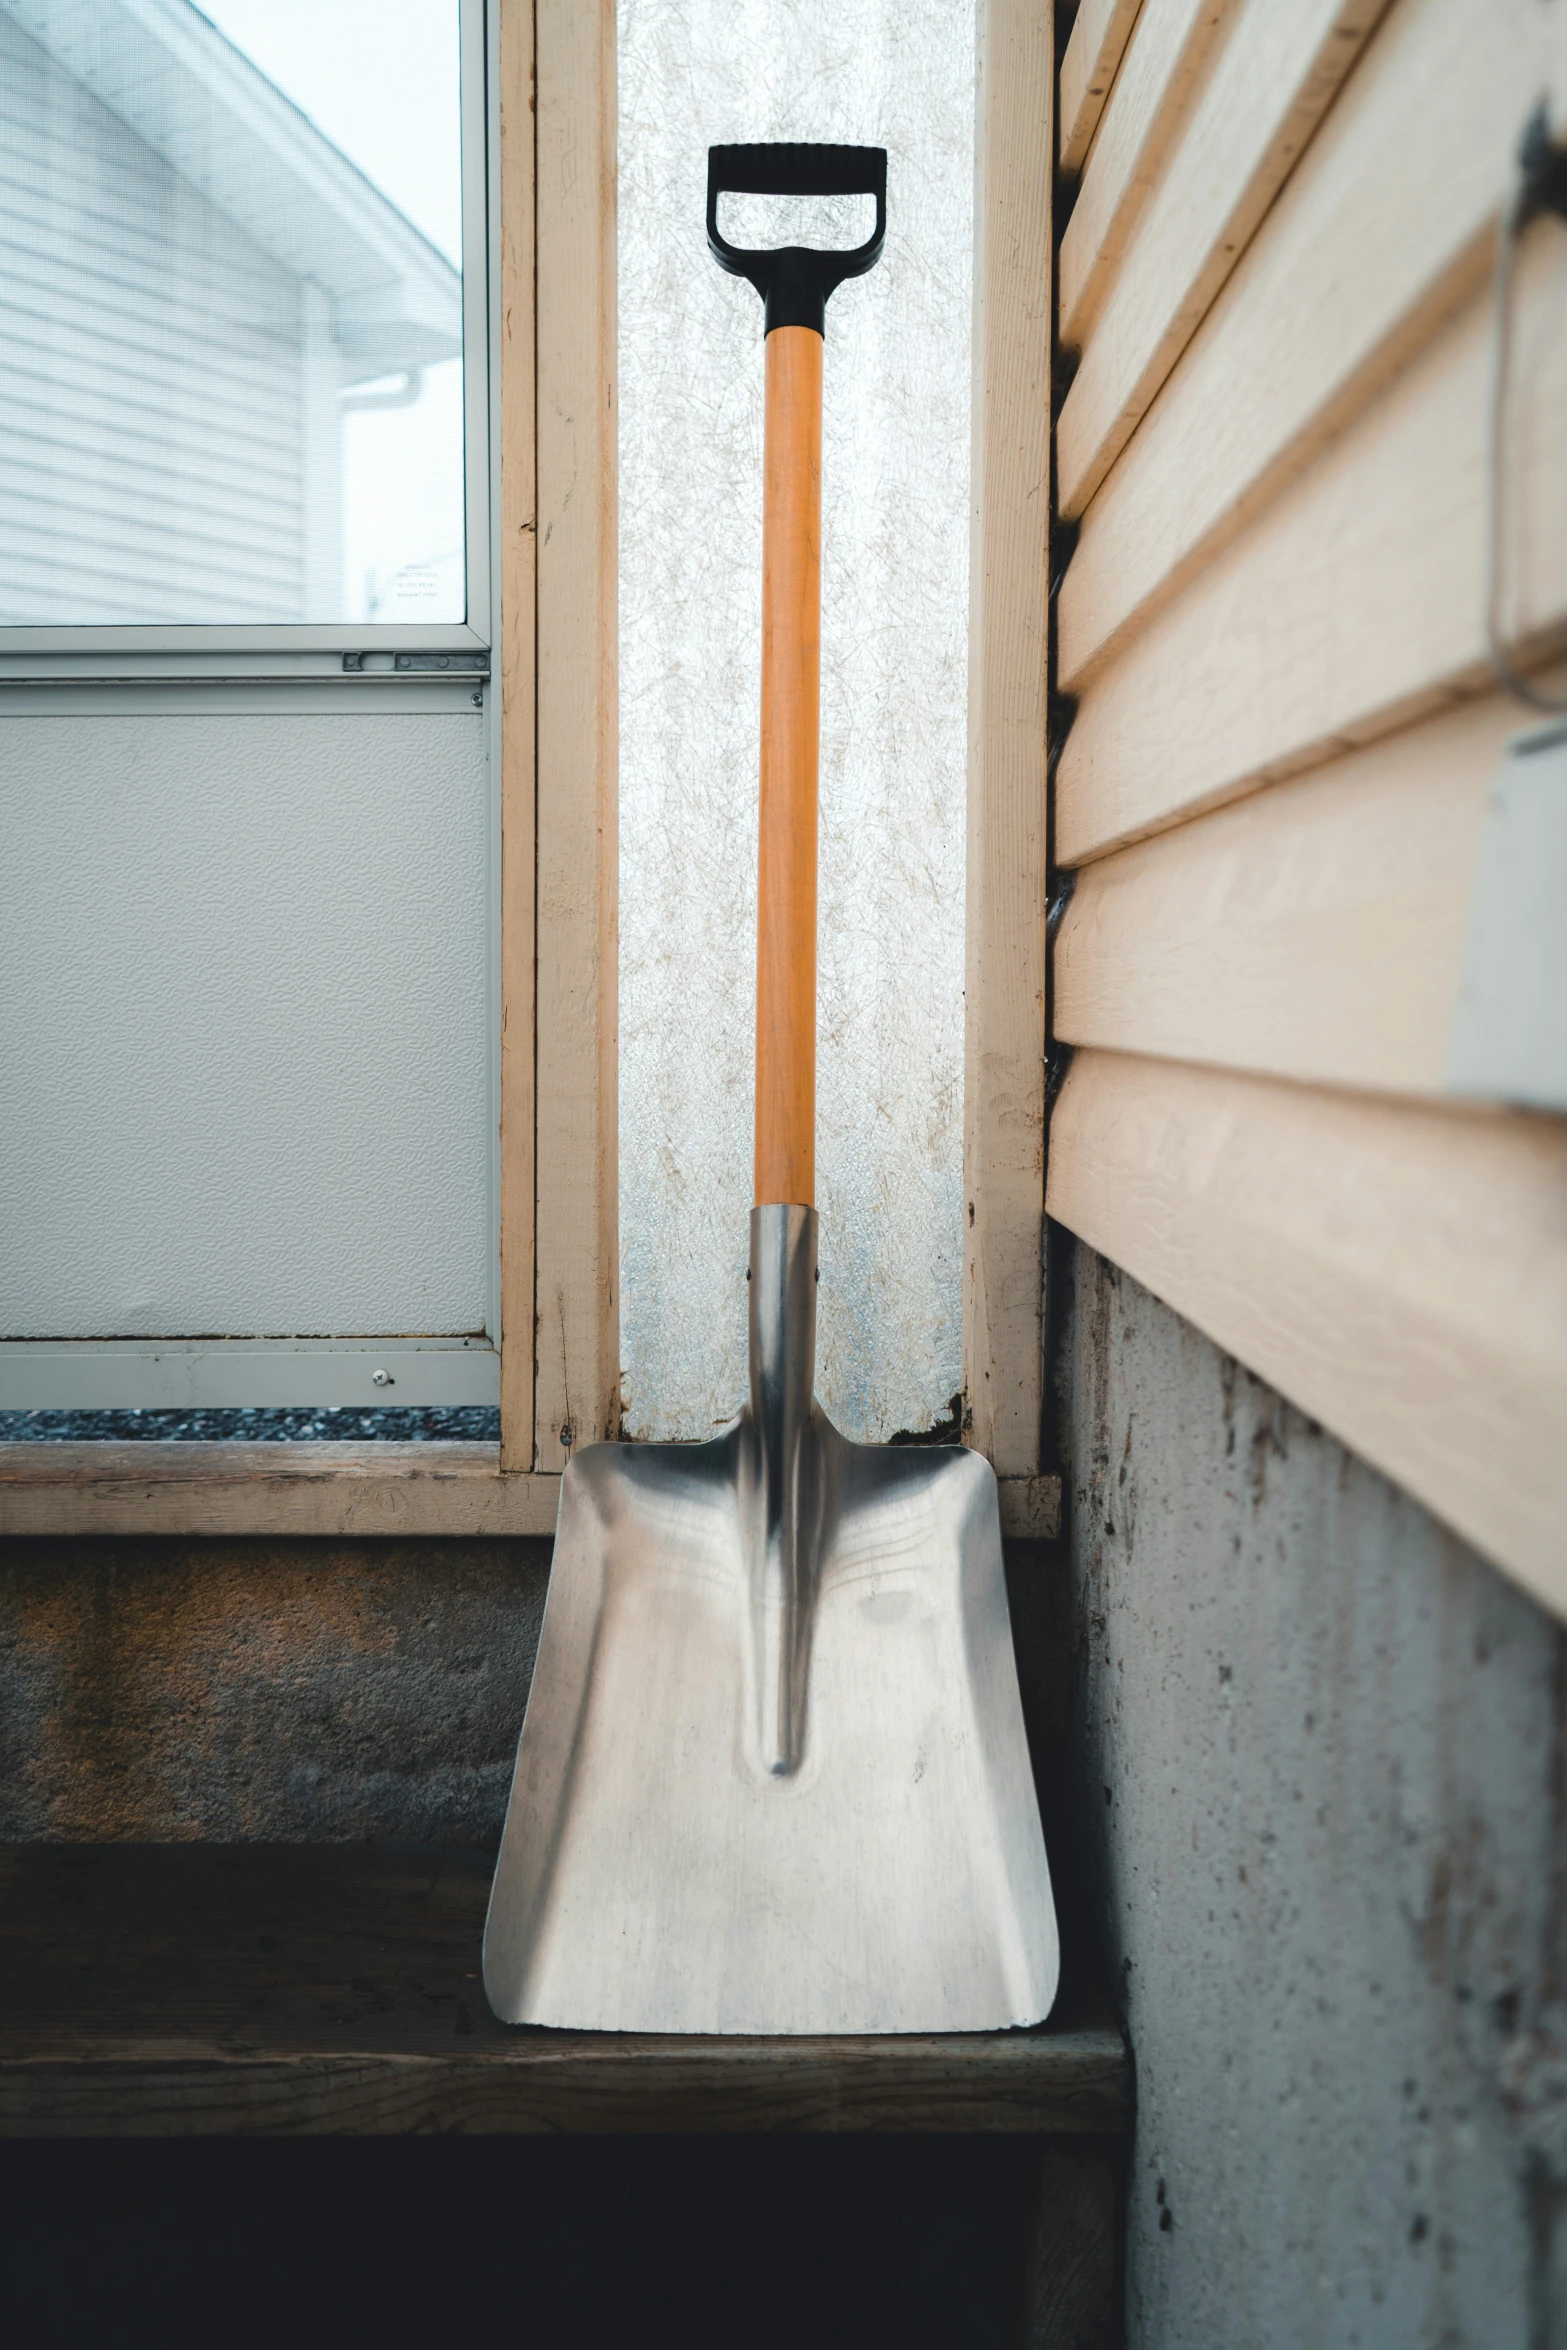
x=897 y=73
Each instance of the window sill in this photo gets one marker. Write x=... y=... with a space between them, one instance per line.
x=141 y=1488
x=311 y=1488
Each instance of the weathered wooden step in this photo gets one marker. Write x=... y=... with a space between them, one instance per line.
x=289 y=1990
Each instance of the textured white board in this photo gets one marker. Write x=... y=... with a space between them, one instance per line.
x=899 y=74
x=244 y=1051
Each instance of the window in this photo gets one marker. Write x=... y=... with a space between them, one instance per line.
x=240 y=377
x=248 y=899
x=276 y=866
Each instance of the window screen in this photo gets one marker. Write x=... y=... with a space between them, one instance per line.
x=231 y=382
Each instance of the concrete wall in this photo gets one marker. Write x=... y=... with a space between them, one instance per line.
x=289 y=1691
x=295 y=1691
x=1319 y=1757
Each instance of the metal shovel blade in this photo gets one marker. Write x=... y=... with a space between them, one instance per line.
x=773 y=1776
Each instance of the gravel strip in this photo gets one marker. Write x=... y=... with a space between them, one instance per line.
x=467 y=1423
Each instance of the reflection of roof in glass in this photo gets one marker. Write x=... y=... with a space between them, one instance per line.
x=213 y=116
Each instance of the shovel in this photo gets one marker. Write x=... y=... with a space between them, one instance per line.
x=773 y=1776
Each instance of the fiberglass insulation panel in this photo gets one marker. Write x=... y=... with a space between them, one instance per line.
x=900 y=74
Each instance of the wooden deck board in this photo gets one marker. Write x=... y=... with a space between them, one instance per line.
x=251 y=1991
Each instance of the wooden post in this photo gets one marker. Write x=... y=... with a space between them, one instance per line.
x=516 y=684
x=577 y=1394
x=1004 y=1062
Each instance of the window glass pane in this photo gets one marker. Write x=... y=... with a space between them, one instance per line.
x=900 y=74
x=244 y=1061
x=230 y=259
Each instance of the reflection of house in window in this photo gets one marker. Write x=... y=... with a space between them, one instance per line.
x=195 y=280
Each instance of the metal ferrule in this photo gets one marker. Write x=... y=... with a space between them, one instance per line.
x=781 y=1485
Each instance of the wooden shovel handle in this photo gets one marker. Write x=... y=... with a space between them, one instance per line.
x=791 y=727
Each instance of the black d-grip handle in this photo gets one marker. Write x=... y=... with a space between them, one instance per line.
x=795 y=280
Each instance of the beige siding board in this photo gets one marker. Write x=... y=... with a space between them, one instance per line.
x=519 y=541
x=1004 y=1055
x=1170 y=46
x=1351 y=605
x=1399 y=1273
x=1276 y=780
x=1319 y=314
x=274 y=1489
x=1271 y=84
x=577 y=1367
x=1093 y=55
x=1315 y=930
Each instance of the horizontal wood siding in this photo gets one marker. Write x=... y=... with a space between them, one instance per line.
x=1100 y=33
x=1274 y=78
x=1399 y=1272
x=1171 y=45
x=1273 y=788
x=1319 y=315
x=151 y=404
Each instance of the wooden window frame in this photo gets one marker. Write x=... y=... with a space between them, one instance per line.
x=555 y=668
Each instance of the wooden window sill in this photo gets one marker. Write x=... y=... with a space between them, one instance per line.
x=317 y=1990
x=310 y=1488
x=305 y=1488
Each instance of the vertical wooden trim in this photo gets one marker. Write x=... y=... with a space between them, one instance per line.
x=577 y=1372
x=515 y=642
x=1004 y=1066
